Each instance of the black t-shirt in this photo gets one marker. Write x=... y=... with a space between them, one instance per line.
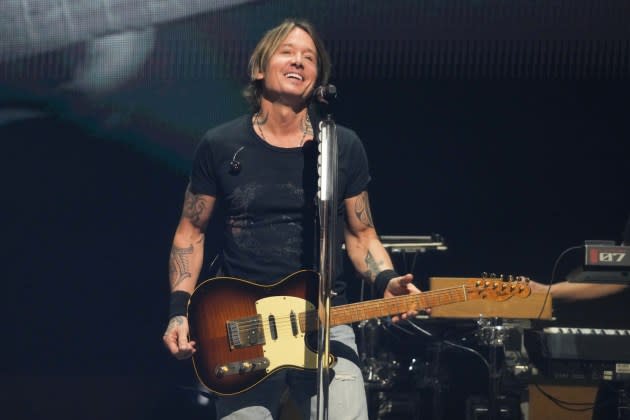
x=270 y=204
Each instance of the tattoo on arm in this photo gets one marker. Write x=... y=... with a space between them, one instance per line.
x=175 y=322
x=194 y=206
x=362 y=209
x=178 y=264
x=374 y=267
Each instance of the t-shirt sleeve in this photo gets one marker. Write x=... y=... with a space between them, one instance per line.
x=202 y=175
x=358 y=168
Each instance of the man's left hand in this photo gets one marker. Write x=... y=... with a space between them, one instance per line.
x=403 y=286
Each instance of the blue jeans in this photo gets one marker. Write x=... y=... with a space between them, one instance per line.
x=346 y=399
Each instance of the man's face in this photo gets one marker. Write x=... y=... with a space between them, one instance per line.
x=291 y=71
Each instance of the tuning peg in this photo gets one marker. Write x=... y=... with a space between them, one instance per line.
x=484 y=275
x=510 y=278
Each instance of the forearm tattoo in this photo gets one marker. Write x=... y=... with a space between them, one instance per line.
x=174 y=322
x=193 y=208
x=179 y=264
x=373 y=267
x=362 y=209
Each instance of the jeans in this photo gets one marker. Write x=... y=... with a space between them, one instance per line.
x=346 y=398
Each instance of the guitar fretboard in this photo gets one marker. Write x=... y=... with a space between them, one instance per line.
x=378 y=308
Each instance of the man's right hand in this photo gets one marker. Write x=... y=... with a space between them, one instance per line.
x=176 y=338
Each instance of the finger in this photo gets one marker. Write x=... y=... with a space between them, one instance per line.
x=185 y=354
x=182 y=343
x=406 y=279
x=398 y=285
x=412 y=288
x=170 y=341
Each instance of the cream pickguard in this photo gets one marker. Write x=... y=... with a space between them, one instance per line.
x=287 y=348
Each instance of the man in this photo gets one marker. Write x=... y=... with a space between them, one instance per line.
x=262 y=168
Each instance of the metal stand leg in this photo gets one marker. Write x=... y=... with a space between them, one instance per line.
x=436 y=385
x=623 y=405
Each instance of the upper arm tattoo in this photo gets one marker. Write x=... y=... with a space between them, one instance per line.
x=179 y=264
x=362 y=209
x=194 y=207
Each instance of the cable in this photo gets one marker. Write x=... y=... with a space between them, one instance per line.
x=564 y=404
x=457 y=346
x=553 y=276
x=422 y=330
x=471 y=350
x=395 y=325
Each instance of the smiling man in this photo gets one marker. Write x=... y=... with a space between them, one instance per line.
x=262 y=168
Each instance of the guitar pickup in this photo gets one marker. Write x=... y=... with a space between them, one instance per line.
x=245 y=332
x=242 y=367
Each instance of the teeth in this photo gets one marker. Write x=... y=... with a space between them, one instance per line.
x=294 y=76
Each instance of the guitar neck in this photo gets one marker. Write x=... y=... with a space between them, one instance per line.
x=378 y=308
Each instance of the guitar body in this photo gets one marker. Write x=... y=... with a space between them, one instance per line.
x=246 y=332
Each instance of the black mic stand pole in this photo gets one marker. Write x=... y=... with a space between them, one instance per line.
x=327 y=206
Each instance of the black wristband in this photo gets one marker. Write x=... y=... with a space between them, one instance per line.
x=382 y=280
x=178 y=304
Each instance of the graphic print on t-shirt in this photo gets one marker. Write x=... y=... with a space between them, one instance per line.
x=277 y=232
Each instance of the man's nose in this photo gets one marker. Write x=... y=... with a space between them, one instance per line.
x=297 y=59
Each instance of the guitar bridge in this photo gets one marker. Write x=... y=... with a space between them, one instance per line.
x=245 y=332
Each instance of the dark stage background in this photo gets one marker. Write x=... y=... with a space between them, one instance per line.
x=500 y=125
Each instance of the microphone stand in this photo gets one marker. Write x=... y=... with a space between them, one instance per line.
x=327 y=206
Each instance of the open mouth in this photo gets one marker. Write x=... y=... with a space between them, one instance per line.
x=295 y=76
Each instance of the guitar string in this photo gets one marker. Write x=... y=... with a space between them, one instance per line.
x=284 y=323
x=348 y=309
x=371 y=305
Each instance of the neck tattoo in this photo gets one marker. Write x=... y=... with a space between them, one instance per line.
x=306 y=123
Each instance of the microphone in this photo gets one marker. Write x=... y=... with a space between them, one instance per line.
x=325 y=94
x=235 y=165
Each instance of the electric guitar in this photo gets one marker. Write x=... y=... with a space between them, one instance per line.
x=246 y=332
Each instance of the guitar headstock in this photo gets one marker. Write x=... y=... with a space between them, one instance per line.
x=498 y=288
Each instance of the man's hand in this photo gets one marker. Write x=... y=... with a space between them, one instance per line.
x=403 y=286
x=175 y=338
